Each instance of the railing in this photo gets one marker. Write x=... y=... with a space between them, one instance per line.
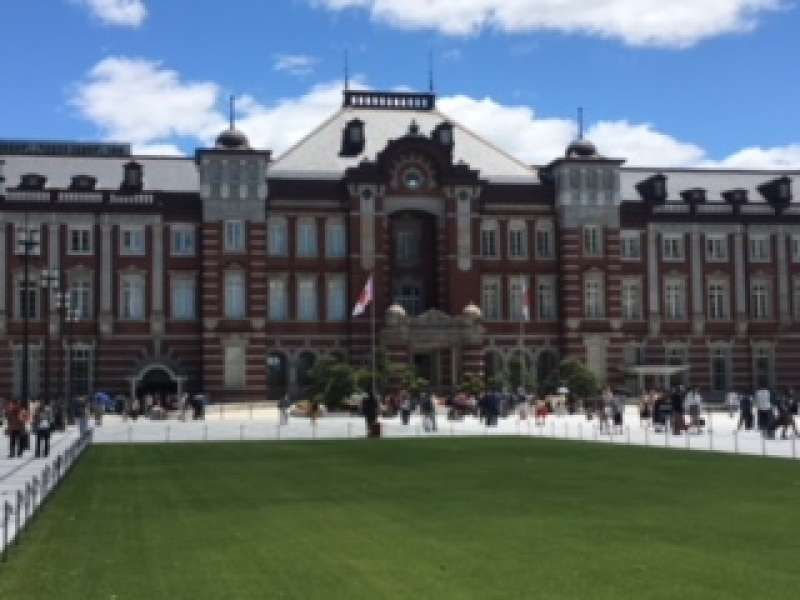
x=17 y=515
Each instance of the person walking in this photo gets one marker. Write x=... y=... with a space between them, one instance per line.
x=370 y=410
x=677 y=403
x=42 y=425
x=405 y=407
x=14 y=428
x=785 y=416
x=732 y=402
x=694 y=404
x=764 y=407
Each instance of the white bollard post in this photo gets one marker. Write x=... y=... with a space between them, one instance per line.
x=736 y=441
x=241 y=432
x=580 y=430
x=763 y=444
x=205 y=432
x=628 y=434
x=349 y=430
x=711 y=440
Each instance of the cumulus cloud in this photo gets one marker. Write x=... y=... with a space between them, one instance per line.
x=295 y=64
x=123 y=13
x=672 y=23
x=153 y=107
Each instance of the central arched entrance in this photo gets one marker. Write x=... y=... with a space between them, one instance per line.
x=159 y=383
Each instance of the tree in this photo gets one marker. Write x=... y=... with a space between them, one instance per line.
x=578 y=379
x=520 y=374
x=472 y=384
x=332 y=381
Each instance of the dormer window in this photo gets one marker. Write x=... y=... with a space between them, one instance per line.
x=737 y=196
x=778 y=191
x=694 y=196
x=653 y=189
x=83 y=183
x=353 y=138
x=32 y=181
x=443 y=134
x=132 y=179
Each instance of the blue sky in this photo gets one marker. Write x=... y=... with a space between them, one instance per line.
x=701 y=82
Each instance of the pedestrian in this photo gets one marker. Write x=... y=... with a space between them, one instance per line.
x=405 y=407
x=745 y=411
x=732 y=402
x=283 y=406
x=618 y=412
x=764 y=406
x=370 y=410
x=677 y=403
x=14 y=428
x=42 y=425
x=645 y=409
x=785 y=416
x=694 y=404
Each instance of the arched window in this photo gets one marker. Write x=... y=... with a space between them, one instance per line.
x=517 y=239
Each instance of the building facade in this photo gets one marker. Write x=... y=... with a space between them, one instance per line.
x=232 y=272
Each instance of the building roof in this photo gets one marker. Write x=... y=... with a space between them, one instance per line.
x=318 y=154
x=167 y=174
x=714 y=181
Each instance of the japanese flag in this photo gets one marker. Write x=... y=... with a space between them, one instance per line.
x=364 y=299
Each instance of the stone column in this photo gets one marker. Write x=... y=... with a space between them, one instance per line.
x=157 y=295
x=653 y=281
x=106 y=316
x=698 y=295
x=3 y=277
x=740 y=283
x=784 y=310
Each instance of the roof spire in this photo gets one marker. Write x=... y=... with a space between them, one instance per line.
x=430 y=71
x=580 y=122
x=346 y=70
x=232 y=111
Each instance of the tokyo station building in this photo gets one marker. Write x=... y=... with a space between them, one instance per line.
x=233 y=271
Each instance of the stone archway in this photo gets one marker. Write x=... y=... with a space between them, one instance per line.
x=156 y=375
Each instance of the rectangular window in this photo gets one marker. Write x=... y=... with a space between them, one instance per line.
x=720 y=371
x=184 y=299
x=796 y=298
x=234 y=367
x=760 y=304
x=335 y=246
x=277 y=237
x=759 y=248
x=518 y=298
x=27 y=300
x=491 y=299
x=80 y=297
x=674 y=300
x=336 y=299
x=593 y=297
x=672 y=247
x=631 y=245
x=762 y=367
x=307 y=299
x=489 y=240
x=132 y=241
x=80 y=379
x=34 y=371
x=306 y=238
x=234 y=236
x=278 y=299
x=544 y=241
x=546 y=299
x=632 y=300
x=406 y=247
x=717 y=301
x=795 y=242
x=80 y=240
x=33 y=239
x=235 y=305
x=132 y=297
x=592 y=240
x=716 y=248
x=517 y=239
x=183 y=240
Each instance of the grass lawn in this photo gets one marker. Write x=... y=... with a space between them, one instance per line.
x=450 y=518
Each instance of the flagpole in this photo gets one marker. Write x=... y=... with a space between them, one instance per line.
x=374 y=309
x=522 y=306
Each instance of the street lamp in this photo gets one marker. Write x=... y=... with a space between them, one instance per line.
x=27 y=243
x=49 y=281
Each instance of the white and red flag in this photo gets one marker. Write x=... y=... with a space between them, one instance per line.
x=364 y=299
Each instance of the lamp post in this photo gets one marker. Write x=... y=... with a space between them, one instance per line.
x=49 y=282
x=27 y=243
x=66 y=315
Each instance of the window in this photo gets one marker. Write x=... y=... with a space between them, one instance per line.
x=277 y=237
x=796 y=298
x=759 y=248
x=491 y=298
x=306 y=237
x=546 y=299
x=80 y=378
x=34 y=238
x=518 y=298
x=716 y=248
x=762 y=367
x=592 y=240
x=278 y=299
x=720 y=369
x=132 y=298
x=80 y=240
x=408 y=294
x=406 y=246
x=183 y=240
x=234 y=236
x=632 y=300
x=489 y=239
x=544 y=240
x=307 y=298
x=718 y=301
x=517 y=239
x=631 y=245
x=675 y=300
x=760 y=306
x=80 y=298
x=336 y=298
x=672 y=247
x=235 y=367
x=235 y=295
x=184 y=298
x=593 y=297
x=335 y=246
x=132 y=241
x=34 y=371
x=795 y=242
x=27 y=299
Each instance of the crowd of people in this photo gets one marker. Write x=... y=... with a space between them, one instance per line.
x=39 y=420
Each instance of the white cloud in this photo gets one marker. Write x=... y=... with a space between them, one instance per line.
x=295 y=64
x=668 y=23
x=145 y=103
x=157 y=149
x=124 y=13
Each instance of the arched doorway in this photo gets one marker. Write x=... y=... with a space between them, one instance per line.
x=546 y=370
x=493 y=368
x=159 y=383
x=520 y=371
x=277 y=375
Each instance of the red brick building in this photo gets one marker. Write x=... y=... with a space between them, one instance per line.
x=233 y=271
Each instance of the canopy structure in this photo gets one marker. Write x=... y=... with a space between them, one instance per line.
x=662 y=372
